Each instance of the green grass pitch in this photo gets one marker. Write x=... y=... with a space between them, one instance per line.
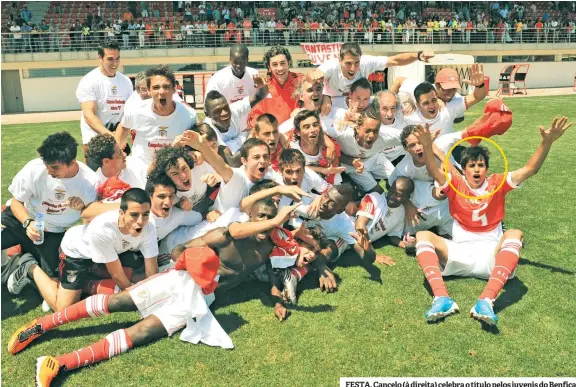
x=369 y=327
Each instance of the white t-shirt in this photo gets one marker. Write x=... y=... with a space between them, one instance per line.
x=346 y=139
x=234 y=89
x=383 y=220
x=135 y=101
x=444 y=119
x=409 y=85
x=153 y=131
x=135 y=174
x=334 y=82
x=177 y=217
x=394 y=130
x=40 y=192
x=311 y=181
x=237 y=188
x=407 y=168
x=236 y=134
x=102 y=241
x=198 y=190
x=110 y=95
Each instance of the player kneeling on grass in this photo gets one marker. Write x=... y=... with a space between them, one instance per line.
x=479 y=247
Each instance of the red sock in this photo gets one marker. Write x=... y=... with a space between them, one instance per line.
x=112 y=345
x=505 y=263
x=430 y=264
x=93 y=306
x=107 y=286
x=299 y=272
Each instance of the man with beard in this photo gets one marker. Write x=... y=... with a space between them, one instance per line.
x=230 y=120
x=102 y=94
x=157 y=121
x=235 y=81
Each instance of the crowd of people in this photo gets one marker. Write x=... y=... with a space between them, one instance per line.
x=285 y=173
x=208 y=24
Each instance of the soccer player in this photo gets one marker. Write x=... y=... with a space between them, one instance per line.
x=309 y=98
x=392 y=122
x=141 y=93
x=479 y=247
x=170 y=300
x=236 y=81
x=266 y=129
x=56 y=185
x=159 y=120
x=362 y=147
x=102 y=94
x=340 y=74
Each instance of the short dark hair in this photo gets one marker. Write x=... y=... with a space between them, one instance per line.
x=265 y=202
x=362 y=83
x=166 y=158
x=369 y=112
x=262 y=185
x=345 y=190
x=158 y=180
x=267 y=118
x=241 y=49
x=212 y=95
x=164 y=71
x=100 y=147
x=407 y=131
x=304 y=115
x=206 y=130
x=249 y=144
x=350 y=49
x=317 y=234
x=137 y=195
x=276 y=50
x=109 y=44
x=291 y=156
x=421 y=89
x=58 y=147
x=475 y=153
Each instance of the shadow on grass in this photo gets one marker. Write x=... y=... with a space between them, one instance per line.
x=21 y=304
x=230 y=321
x=553 y=269
x=350 y=259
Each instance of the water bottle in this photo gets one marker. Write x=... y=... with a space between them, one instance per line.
x=40 y=227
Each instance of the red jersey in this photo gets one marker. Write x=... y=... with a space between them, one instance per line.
x=280 y=101
x=478 y=215
x=274 y=155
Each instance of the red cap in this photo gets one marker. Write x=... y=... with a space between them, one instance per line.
x=112 y=189
x=448 y=78
x=202 y=264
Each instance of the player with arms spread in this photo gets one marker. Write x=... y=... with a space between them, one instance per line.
x=479 y=247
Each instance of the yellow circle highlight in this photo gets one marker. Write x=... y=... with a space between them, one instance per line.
x=445 y=166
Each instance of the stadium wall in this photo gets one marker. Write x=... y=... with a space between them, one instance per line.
x=58 y=93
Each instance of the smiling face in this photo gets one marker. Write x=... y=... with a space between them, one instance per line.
x=475 y=172
x=163 y=200
x=387 y=108
x=360 y=98
x=261 y=212
x=238 y=62
x=397 y=194
x=181 y=175
x=220 y=113
x=350 y=65
x=428 y=105
x=310 y=130
x=367 y=133
x=415 y=149
x=257 y=162
x=279 y=67
x=110 y=62
x=312 y=95
x=134 y=219
x=268 y=133
x=161 y=91
x=445 y=95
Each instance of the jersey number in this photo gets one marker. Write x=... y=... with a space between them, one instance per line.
x=482 y=218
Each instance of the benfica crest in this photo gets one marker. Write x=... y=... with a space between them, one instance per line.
x=114 y=89
x=71 y=275
x=60 y=193
x=163 y=130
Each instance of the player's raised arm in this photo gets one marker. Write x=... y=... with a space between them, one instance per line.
x=407 y=58
x=425 y=137
x=476 y=80
x=194 y=140
x=549 y=136
x=261 y=90
x=244 y=230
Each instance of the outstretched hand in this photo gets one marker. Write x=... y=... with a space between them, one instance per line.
x=476 y=75
x=556 y=131
x=259 y=81
x=423 y=135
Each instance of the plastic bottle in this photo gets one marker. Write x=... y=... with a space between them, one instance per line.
x=40 y=227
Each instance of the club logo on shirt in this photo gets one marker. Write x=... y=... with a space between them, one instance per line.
x=241 y=89
x=125 y=245
x=71 y=275
x=144 y=293
x=114 y=89
x=60 y=193
x=163 y=130
x=388 y=213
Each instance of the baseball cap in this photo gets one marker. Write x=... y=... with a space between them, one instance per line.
x=448 y=79
x=202 y=264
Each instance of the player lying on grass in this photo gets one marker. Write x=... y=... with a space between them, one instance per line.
x=479 y=248
x=168 y=300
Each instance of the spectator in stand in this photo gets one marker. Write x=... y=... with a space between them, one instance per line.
x=26 y=15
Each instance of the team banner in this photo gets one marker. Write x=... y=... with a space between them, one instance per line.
x=321 y=52
x=267 y=12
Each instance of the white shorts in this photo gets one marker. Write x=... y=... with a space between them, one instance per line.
x=376 y=167
x=164 y=295
x=470 y=259
x=438 y=217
